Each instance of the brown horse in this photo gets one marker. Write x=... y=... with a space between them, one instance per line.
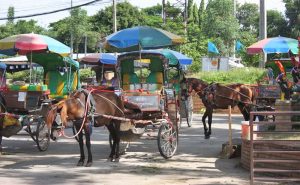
x=101 y=103
x=217 y=96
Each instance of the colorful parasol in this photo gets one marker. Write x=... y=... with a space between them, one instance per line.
x=94 y=59
x=141 y=37
x=23 y=44
x=274 y=45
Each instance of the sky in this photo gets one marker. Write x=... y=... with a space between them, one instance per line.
x=26 y=7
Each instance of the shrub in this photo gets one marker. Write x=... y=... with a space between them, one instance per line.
x=239 y=75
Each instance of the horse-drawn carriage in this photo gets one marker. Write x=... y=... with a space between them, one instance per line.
x=151 y=79
x=26 y=105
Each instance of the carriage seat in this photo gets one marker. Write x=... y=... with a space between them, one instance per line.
x=56 y=85
x=155 y=81
x=131 y=81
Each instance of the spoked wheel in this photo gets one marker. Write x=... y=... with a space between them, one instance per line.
x=42 y=135
x=124 y=145
x=167 y=140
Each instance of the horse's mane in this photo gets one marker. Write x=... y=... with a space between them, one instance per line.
x=196 y=80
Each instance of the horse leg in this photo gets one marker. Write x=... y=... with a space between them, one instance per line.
x=88 y=145
x=245 y=111
x=210 y=113
x=111 y=130
x=117 y=140
x=80 y=141
x=203 y=121
x=0 y=144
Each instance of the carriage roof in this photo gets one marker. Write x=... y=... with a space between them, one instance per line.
x=173 y=58
x=50 y=61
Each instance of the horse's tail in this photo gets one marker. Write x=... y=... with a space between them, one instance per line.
x=51 y=116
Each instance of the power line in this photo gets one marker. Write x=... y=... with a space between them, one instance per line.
x=50 y=12
x=25 y=9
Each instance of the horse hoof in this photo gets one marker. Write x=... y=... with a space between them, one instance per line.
x=117 y=160
x=110 y=159
x=89 y=164
x=207 y=136
x=123 y=153
x=80 y=163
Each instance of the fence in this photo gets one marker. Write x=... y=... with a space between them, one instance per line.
x=275 y=148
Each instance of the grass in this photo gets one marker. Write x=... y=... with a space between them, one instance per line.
x=239 y=75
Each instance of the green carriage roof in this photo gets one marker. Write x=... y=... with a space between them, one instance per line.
x=50 y=61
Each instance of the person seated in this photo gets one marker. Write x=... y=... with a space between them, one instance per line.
x=110 y=80
x=295 y=74
x=283 y=83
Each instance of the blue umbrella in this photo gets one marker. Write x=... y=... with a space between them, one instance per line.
x=2 y=65
x=104 y=58
x=141 y=37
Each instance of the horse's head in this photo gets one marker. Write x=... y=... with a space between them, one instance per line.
x=72 y=108
x=192 y=84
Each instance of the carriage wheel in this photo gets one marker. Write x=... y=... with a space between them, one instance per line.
x=124 y=145
x=167 y=140
x=42 y=135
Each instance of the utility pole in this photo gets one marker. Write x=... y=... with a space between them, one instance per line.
x=185 y=16
x=114 y=16
x=163 y=12
x=72 y=26
x=85 y=44
x=234 y=14
x=262 y=29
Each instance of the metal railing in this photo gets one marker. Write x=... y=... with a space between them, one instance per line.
x=274 y=152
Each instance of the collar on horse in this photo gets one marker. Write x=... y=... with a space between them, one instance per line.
x=92 y=102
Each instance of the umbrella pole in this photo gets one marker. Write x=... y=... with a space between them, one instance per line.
x=30 y=68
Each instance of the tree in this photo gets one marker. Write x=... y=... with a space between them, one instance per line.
x=201 y=13
x=293 y=14
x=190 y=8
x=154 y=10
x=195 y=14
x=79 y=21
x=10 y=15
x=276 y=25
x=127 y=16
x=248 y=17
x=221 y=25
x=79 y=26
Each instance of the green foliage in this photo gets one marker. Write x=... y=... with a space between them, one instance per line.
x=153 y=10
x=248 y=17
x=239 y=75
x=293 y=15
x=201 y=13
x=86 y=73
x=278 y=24
x=220 y=24
x=19 y=76
x=127 y=16
x=10 y=15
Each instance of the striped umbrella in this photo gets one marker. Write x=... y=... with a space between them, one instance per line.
x=274 y=45
x=23 y=44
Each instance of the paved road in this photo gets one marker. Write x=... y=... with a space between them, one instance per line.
x=197 y=160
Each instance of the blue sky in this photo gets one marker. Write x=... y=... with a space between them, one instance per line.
x=25 y=7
